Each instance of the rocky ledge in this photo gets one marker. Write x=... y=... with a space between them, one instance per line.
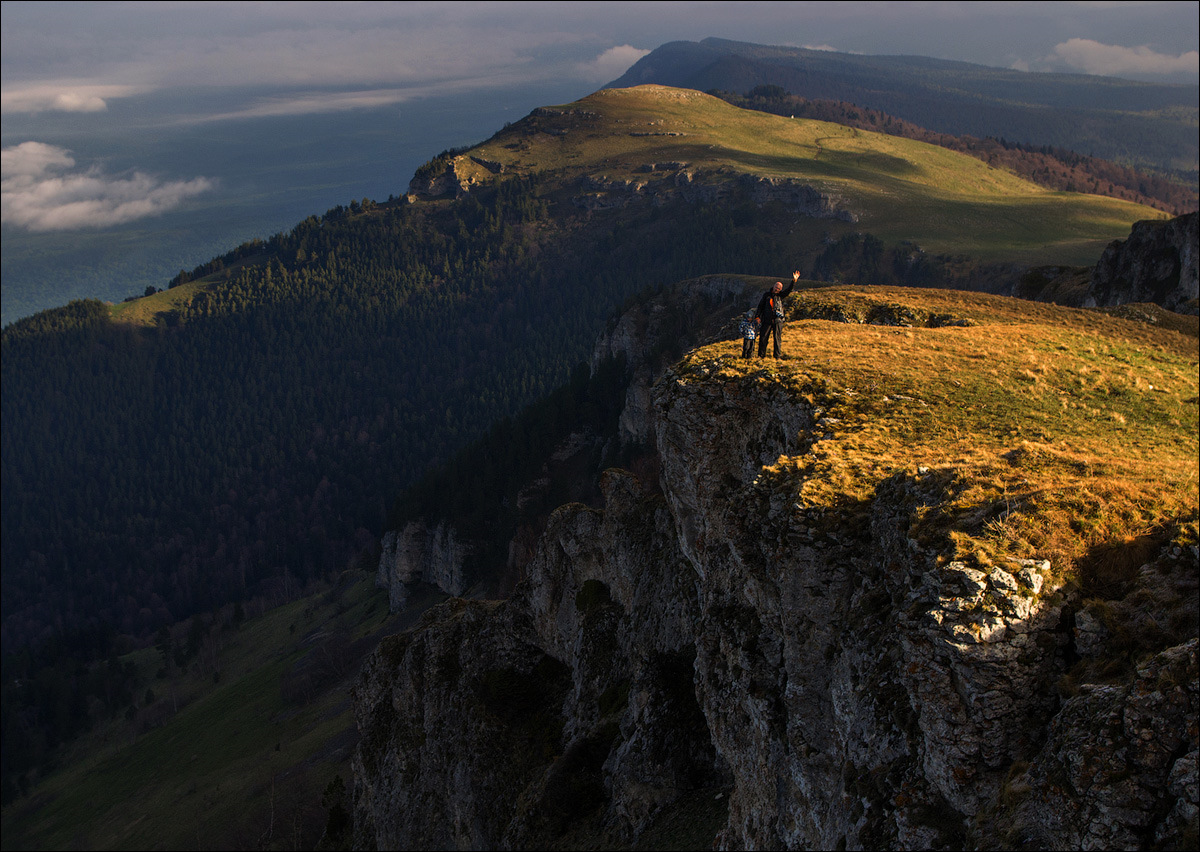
x=709 y=187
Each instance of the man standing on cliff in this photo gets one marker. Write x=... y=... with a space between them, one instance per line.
x=770 y=315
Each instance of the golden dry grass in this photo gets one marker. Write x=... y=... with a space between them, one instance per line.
x=1054 y=430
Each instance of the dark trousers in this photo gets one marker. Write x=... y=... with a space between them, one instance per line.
x=772 y=330
x=747 y=347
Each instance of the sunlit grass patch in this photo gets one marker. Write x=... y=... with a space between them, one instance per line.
x=148 y=310
x=1054 y=430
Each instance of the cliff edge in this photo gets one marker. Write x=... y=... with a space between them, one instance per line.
x=930 y=582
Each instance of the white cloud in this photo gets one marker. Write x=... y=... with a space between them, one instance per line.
x=329 y=57
x=1093 y=57
x=63 y=96
x=611 y=64
x=310 y=103
x=40 y=192
x=309 y=51
x=29 y=160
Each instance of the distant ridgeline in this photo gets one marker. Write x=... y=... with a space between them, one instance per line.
x=1144 y=125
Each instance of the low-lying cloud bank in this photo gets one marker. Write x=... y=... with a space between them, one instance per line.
x=314 y=103
x=611 y=64
x=62 y=96
x=42 y=190
x=313 y=94
x=1113 y=60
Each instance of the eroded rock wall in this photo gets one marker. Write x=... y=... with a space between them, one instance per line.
x=419 y=553
x=863 y=691
x=494 y=724
x=1158 y=263
x=700 y=186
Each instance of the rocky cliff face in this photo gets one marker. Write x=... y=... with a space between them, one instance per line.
x=419 y=553
x=681 y=316
x=709 y=187
x=662 y=184
x=1158 y=263
x=493 y=739
x=817 y=672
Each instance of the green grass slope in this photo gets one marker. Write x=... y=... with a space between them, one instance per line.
x=236 y=761
x=1153 y=125
x=899 y=189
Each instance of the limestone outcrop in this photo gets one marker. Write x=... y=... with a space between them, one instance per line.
x=709 y=187
x=1158 y=264
x=418 y=553
x=439 y=178
x=683 y=315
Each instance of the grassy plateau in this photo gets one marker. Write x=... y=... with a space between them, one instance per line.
x=899 y=189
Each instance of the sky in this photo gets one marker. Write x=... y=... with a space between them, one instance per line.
x=122 y=119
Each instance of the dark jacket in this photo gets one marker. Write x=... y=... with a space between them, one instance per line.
x=772 y=303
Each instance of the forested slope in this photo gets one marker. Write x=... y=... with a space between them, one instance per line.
x=263 y=430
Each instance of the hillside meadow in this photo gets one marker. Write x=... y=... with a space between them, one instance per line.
x=238 y=750
x=900 y=189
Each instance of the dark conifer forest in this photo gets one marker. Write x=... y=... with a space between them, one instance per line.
x=257 y=438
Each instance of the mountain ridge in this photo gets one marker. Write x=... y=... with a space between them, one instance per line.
x=1108 y=117
x=1047 y=166
x=890 y=186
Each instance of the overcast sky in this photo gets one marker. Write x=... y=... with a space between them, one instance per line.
x=261 y=60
